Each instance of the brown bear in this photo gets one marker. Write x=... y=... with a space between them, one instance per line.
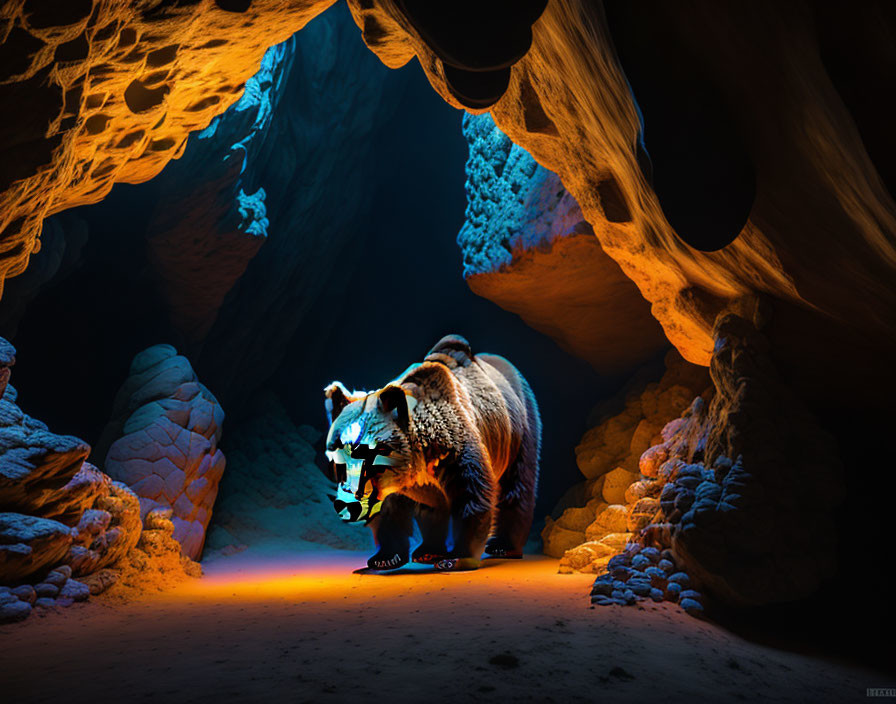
x=453 y=441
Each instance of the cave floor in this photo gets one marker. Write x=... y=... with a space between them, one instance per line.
x=305 y=628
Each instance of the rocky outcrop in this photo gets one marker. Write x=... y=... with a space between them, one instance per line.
x=742 y=489
x=206 y=228
x=527 y=247
x=163 y=442
x=597 y=519
x=55 y=507
x=818 y=196
x=273 y=493
x=750 y=483
x=59 y=515
x=112 y=92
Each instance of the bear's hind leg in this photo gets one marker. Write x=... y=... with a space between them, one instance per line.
x=472 y=495
x=392 y=530
x=516 y=500
x=434 y=524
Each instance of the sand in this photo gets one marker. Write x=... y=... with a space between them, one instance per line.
x=305 y=628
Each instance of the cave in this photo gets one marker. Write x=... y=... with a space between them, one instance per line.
x=446 y=351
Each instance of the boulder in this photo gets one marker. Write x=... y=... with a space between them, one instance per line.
x=28 y=544
x=163 y=442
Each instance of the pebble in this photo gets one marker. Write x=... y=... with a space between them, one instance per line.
x=45 y=589
x=656 y=594
x=640 y=562
x=673 y=590
x=25 y=592
x=64 y=570
x=691 y=594
x=74 y=590
x=56 y=578
x=619 y=560
x=681 y=578
x=639 y=587
x=655 y=573
x=666 y=566
x=651 y=554
x=602 y=588
x=45 y=602
x=622 y=573
x=14 y=611
x=691 y=606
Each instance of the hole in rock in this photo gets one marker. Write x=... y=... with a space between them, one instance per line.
x=139 y=98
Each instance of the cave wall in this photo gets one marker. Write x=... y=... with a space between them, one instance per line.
x=114 y=90
x=527 y=246
x=819 y=200
x=268 y=194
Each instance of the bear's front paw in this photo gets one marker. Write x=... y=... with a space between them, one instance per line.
x=382 y=561
x=457 y=564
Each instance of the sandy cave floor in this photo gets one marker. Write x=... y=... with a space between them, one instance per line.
x=305 y=628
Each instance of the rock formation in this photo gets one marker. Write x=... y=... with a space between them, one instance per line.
x=273 y=493
x=163 y=442
x=595 y=522
x=59 y=515
x=818 y=197
x=741 y=489
x=528 y=248
x=113 y=90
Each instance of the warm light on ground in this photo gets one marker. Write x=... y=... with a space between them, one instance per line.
x=302 y=627
x=323 y=576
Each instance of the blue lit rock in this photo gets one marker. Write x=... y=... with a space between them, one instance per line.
x=527 y=247
x=163 y=442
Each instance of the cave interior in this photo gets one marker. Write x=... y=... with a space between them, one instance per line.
x=676 y=221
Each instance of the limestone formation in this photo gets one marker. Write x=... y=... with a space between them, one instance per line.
x=740 y=491
x=54 y=507
x=113 y=90
x=819 y=197
x=163 y=442
x=751 y=482
x=59 y=515
x=608 y=457
x=528 y=248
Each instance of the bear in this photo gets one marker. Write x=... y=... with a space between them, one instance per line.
x=453 y=441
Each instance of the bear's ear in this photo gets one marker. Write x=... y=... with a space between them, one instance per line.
x=336 y=397
x=393 y=399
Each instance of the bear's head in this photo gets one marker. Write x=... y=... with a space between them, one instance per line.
x=367 y=446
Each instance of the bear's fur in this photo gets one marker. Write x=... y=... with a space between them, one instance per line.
x=454 y=440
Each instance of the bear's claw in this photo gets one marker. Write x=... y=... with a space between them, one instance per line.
x=456 y=564
x=378 y=563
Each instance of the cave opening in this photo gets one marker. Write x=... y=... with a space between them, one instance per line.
x=208 y=356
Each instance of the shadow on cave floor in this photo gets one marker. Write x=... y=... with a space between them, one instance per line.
x=305 y=627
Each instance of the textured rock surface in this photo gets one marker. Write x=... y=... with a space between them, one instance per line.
x=55 y=507
x=528 y=248
x=752 y=482
x=206 y=228
x=819 y=198
x=273 y=493
x=314 y=162
x=610 y=505
x=113 y=90
x=742 y=489
x=163 y=442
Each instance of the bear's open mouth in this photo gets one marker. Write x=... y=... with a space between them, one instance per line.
x=356 y=470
